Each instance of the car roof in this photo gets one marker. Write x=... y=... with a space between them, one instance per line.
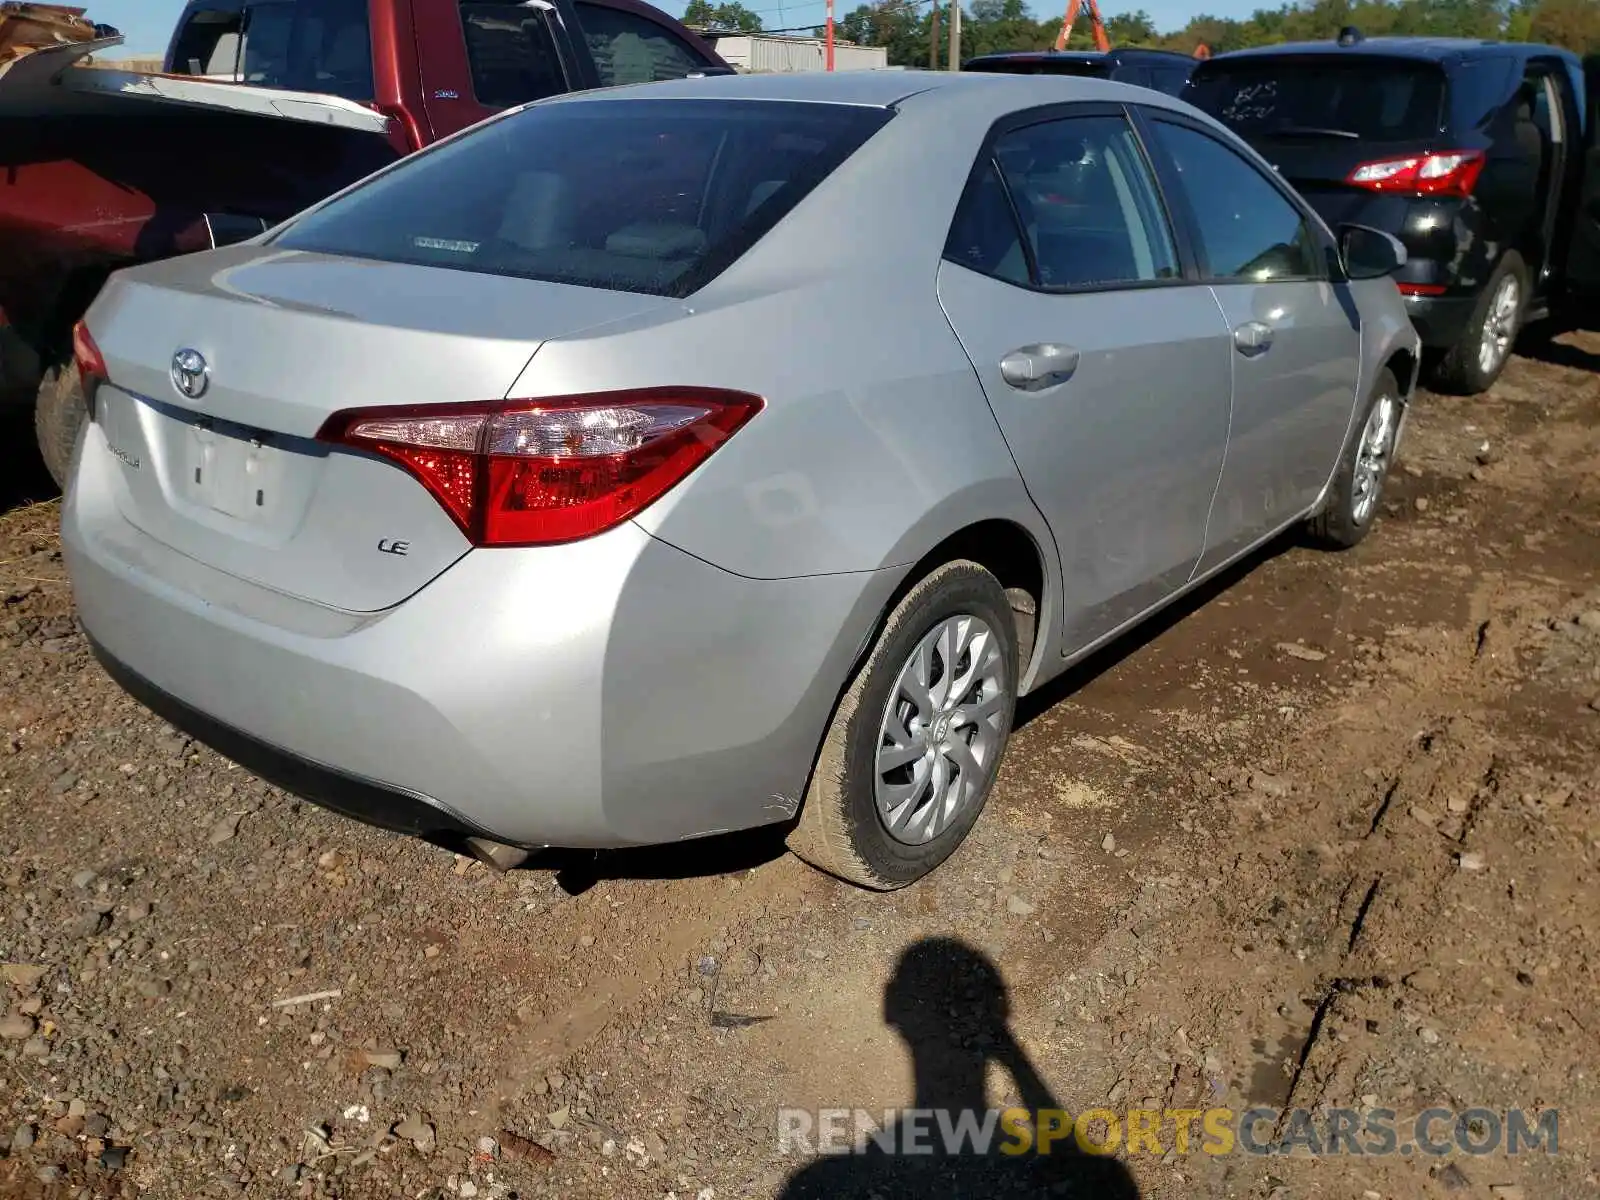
x=880 y=89
x=1426 y=49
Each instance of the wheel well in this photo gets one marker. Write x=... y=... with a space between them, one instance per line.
x=1009 y=553
x=1404 y=365
x=77 y=292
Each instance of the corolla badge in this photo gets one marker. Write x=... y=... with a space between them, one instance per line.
x=190 y=374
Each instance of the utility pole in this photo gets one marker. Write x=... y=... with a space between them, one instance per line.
x=955 y=36
x=830 y=35
x=933 y=38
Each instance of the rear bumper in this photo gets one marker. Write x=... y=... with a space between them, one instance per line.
x=609 y=692
x=373 y=803
x=1440 y=320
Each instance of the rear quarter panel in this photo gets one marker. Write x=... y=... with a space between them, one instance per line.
x=874 y=445
x=876 y=441
x=1387 y=336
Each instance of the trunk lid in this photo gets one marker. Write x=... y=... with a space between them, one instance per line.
x=1318 y=167
x=233 y=476
x=1316 y=117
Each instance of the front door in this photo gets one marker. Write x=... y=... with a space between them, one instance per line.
x=1107 y=371
x=1295 y=334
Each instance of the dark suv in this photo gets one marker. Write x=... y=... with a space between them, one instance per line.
x=1474 y=154
x=1163 y=70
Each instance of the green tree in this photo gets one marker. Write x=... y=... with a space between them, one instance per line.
x=731 y=17
x=1131 y=29
x=992 y=26
x=1574 y=24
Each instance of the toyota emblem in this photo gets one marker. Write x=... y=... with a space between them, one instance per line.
x=190 y=374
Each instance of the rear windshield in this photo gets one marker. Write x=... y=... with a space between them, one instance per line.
x=302 y=45
x=1384 y=101
x=653 y=196
x=1040 y=66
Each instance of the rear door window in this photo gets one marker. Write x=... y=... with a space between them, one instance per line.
x=653 y=196
x=1375 y=100
x=1136 y=74
x=512 y=53
x=1089 y=207
x=629 y=48
x=1169 y=79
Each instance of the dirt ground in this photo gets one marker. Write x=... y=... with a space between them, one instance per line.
x=1325 y=838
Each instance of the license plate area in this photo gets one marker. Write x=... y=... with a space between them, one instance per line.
x=237 y=480
x=230 y=470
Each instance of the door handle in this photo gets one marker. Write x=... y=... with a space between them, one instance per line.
x=1034 y=368
x=1252 y=338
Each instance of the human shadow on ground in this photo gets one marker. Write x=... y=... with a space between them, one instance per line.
x=949 y=1003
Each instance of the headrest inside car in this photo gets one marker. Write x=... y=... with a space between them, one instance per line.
x=657 y=240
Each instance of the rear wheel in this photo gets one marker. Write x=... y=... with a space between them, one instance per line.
x=58 y=417
x=915 y=744
x=1479 y=355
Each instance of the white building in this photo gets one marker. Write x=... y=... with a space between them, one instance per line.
x=772 y=52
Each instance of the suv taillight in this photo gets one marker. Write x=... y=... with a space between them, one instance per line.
x=536 y=472
x=1447 y=173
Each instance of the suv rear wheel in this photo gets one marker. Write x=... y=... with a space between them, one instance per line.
x=1479 y=355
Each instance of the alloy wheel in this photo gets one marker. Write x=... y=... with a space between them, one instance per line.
x=1500 y=325
x=941 y=731
x=1372 y=457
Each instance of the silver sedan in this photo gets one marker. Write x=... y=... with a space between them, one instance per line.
x=651 y=463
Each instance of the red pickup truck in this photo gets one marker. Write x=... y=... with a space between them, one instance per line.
x=264 y=107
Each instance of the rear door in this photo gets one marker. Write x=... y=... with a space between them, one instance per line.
x=1106 y=368
x=1296 y=335
x=1583 y=255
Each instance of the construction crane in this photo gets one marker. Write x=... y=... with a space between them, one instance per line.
x=1097 y=27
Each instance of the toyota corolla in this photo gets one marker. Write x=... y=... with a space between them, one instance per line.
x=652 y=463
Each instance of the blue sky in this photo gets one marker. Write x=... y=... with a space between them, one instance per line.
x=148 y=23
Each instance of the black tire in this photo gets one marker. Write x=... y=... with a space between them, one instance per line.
x=839 y=830
x=1343 y=522
x=58 y=417
x=1460 y=372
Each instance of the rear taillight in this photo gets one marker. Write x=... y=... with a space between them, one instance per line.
x=534 y=472
x=1421 y=289
x=91 y=363
x=1448 y=173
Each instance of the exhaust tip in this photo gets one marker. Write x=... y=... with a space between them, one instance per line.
x=497 y=856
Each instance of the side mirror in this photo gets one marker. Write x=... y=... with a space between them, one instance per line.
x=1370 y=253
